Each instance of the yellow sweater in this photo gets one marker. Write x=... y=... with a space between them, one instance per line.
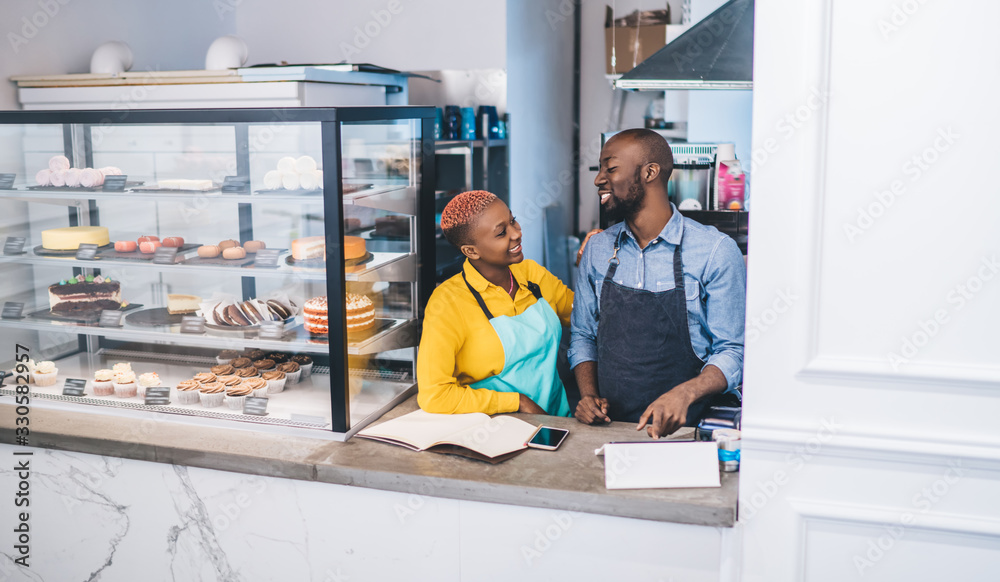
x=460 y=347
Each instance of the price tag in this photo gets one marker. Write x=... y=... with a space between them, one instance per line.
x=271 y=330
x=86 y=252
x=254 y=405
x=7 y=181
x=12 y=310
x=110 y=318
x=14 y=245
x=267 y=258
x=236 y=185
x=74 y=387
x=157 y=395
x=115 y=183
x=164 y=256
x=192 y=324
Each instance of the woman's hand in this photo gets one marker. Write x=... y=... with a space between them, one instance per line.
x=579 y=253
x=525 y=404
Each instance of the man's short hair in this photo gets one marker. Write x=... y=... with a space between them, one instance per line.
x=654 y=149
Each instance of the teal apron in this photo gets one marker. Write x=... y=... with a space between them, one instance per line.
x=530 y=345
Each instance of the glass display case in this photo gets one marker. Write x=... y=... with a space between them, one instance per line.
x=192 y=270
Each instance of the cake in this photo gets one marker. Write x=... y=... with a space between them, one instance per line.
x=83 y=294
x=186 y=184
x=354 y=247
x=311 y=247
x=315 y=315
x=71 y=237
x=360 y=314
x=392 y=226
x=177 y=304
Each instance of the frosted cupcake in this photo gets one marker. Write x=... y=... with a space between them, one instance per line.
x=241 y=362
x=264 y=365
x=212 y=394
x=223 y=370
x=147 y=380
x=45 y=373
x=275 y=381
x=205 y=378
x=125 y=386
x=226 y=356
x=292 y=370
x=122 y=367
x=229 y=381
x=245 y=373
x=103 y=385
x=188 y=392
x=258 y=385
x=235 y=396
x=305 y=363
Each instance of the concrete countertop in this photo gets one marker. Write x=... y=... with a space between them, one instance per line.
x=571 y=478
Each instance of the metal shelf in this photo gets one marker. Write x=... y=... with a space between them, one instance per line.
x=382 y=267
x=401 y=334
x=451 y=143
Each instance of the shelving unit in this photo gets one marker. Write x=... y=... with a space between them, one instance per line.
x=367 y=371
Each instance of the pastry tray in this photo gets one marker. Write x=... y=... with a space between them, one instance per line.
x=219 y=261
x=43 y=252
x=88 y=317
x=140 y=256
x=213 y=189
x=321 y=263
x=81 y=188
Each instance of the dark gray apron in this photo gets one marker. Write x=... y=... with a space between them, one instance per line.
x=643 y=345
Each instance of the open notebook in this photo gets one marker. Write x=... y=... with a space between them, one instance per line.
x=473 y=435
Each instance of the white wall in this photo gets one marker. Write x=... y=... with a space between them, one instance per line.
x=540 y=98
x=872 y=386
x=416 y=34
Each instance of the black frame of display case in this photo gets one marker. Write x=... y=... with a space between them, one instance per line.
x=331 y=120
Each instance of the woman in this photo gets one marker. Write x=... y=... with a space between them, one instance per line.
x=491 y=333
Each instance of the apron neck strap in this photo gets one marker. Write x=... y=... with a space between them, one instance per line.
x=678 y=268
x=479 y=298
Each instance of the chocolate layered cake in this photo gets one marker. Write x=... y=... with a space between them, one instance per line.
x=84 y=294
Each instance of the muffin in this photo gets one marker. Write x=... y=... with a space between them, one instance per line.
x=211 y=394
x=306 y=363
x=226 y=356
x=235 y=396
x=258 y=385
x=292 y=370
x=223 y=369
x=263 y=365
x=247 y=372
x=103 y=385
x=124 y=382
x=205 y=377
x=256 y=354
x=188 y=392
x=147 y=380
x=275 y=381
x=241 y=363
x=45 y=373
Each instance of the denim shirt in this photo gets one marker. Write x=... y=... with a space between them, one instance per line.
x=714 y=283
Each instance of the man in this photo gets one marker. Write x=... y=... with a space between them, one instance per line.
x=657 y=324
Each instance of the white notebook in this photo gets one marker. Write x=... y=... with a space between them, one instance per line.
x=661 y=465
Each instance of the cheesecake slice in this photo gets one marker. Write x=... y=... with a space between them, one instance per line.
x=178 y=304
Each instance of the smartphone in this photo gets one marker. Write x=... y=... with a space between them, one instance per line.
x=548 y=438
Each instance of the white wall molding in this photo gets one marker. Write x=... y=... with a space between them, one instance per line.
x=871 y=445
x=877 y=516
x=920 y=376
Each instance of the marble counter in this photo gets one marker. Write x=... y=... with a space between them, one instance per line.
x=571 y=478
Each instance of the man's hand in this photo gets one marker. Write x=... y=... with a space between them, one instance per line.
x=525 y=404
x=592 y=409
x=666 y=414
x=583 y=245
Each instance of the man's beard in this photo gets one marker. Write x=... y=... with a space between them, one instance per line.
x=622 y=208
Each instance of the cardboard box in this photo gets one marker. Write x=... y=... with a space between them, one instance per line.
x=635 y=37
